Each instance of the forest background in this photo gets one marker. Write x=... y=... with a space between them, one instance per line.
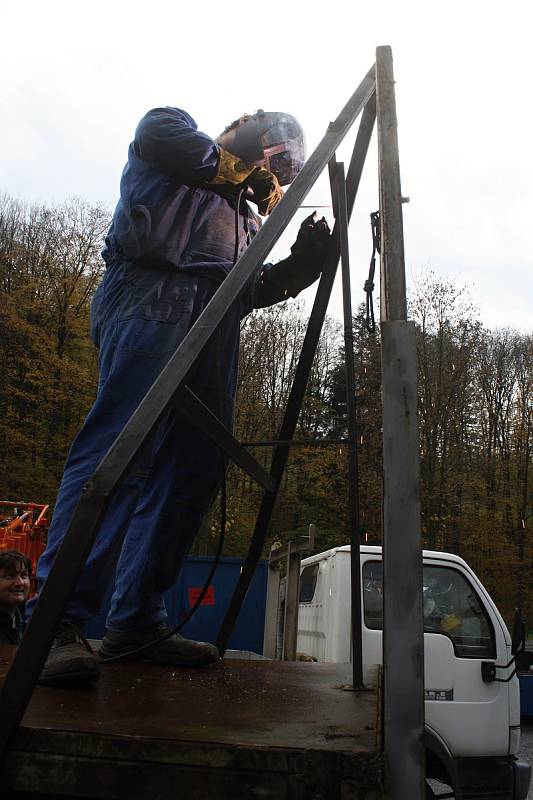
x=475 y=389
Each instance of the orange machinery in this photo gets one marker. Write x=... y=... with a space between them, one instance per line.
x=23 y=527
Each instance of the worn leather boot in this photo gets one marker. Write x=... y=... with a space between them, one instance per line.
x=71 y=661
x=175 y=650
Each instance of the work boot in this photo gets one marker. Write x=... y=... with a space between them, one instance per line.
x=71 y=661
x=176 y=651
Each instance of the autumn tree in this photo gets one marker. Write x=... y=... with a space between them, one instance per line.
x=502 y=540
x=367 y=362
x=49 y=267
x=447 y=337
x=475 y=392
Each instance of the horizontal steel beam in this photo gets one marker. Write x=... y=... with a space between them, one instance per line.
x=297 y=443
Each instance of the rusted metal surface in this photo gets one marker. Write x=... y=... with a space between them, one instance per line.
x=245 y=702
x=267 y=729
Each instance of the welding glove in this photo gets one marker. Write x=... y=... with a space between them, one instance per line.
x=266 y=189
x=231 y=169
x=265 y=186
x=307 y=258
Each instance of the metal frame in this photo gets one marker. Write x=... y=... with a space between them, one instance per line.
x=96 y=496
x=170 y=389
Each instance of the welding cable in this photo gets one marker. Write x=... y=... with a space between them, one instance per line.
x=216 y=561
x=237 y=236
x=223 y=485
x=223 y=457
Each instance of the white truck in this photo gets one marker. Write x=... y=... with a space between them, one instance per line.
x=472 y=708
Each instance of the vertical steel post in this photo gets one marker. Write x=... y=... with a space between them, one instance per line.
x=353 y=489
x=403 y=638
x=292 y=595
x=271 y=609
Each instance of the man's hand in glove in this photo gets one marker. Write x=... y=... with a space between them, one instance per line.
x=265 y=186
x=266 y=189
x=311 y=244
x=306 y=261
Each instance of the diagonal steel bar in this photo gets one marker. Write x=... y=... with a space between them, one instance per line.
x=31 y=654
x=188 y=403
x=303 y=369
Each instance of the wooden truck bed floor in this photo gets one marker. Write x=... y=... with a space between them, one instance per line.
x=238 y=729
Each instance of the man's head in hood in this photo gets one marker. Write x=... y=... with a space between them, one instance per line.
x=270 y=139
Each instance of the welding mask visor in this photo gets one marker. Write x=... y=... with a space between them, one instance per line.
x=271 y=139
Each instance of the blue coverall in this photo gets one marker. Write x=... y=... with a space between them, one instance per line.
x=170 y=244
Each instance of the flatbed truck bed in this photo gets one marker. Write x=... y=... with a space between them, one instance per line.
x=239 y=729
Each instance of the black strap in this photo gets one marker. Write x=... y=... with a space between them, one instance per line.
x=369 y=283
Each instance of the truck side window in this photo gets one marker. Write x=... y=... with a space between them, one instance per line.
x=308 y=583
x=373 y=594
x=451 y=608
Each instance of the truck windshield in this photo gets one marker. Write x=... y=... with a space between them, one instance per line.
x=452 y=608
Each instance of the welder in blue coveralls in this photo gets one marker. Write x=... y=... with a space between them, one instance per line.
x=182 y=220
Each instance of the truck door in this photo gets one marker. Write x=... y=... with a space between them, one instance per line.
x=459 y=633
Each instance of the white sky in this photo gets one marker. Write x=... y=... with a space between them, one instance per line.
x=77 y=77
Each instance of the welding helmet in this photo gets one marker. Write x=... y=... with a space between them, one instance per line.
x=270 y=139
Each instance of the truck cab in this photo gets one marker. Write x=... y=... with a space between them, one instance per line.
x=472 y=711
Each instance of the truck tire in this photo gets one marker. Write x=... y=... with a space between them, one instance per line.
x=438 y=789
x=439 y=783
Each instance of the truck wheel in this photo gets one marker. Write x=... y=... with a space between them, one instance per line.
x=439 y=790
x=438 y=781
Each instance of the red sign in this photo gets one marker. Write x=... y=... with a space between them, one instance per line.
x=208 y=599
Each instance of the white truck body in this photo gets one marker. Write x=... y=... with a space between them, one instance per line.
x=468 y=719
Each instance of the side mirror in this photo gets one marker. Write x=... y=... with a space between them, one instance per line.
x=518 y=636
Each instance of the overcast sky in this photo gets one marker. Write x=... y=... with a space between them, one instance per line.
x=77 y=77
